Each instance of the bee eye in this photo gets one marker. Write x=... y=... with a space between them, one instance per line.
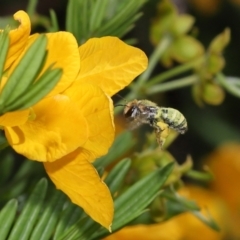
x=131 y=113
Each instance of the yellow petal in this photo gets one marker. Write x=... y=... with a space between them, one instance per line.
x=110 y=63
x=18 y=37
x=77 y=178
x=97 y=108
x=11 y=119
x=63 y=49
x=58 y=129
x=63 y=52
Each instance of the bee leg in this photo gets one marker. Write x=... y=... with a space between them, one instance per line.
x=162 y=131
x=158 y=132
x=158 y=137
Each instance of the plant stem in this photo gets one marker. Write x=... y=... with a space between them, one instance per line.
x=179 y=83
x=173 y=72
x=202 y=176
x=154 y=59
x=229 y=83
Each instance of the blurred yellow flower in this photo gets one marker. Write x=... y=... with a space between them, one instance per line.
x=184 y=226
x=224 y=163
x=73 y=125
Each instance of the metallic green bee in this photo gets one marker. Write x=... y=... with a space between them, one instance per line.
x=138 y=112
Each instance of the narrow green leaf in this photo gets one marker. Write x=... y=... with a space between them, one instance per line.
x=127 y=11
x=28 y=217
x=4 y=145
x=37 y=91
x=176 y=204
x=231 y=84
x=6 y=167
x=77 y=14
x=208 y=221
x=69 y=16
x=54 y=21
x=7 y=217
x=4 y=44
x=82 y=230
x=31 y=8
x=126 y=26
x=26 y=71
x=116 y=176
x=68 y=218
x=122 y=144
x=132 y=202
x=84 y=14
x=137 y=196
x=23 y=170
x=97 y=15
x=47 y=223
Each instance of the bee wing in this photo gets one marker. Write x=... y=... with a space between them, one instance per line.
x=133 y=124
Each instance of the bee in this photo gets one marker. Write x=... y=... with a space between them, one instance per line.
x=138 y=112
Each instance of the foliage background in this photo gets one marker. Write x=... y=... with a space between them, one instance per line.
x=211 y=19
x=210 y=126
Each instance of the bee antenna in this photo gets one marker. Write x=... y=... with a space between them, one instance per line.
x=119 y=96
x=120 y=105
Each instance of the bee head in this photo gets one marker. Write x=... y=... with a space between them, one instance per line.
x=131 y=109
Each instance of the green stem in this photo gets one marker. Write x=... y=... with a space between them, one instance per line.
x=179 y=83
x=154 y=59
x=31 y=8
x=230 y=84
x=202 y=176
x=173 y=72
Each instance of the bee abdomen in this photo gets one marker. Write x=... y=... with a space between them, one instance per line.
x=174 y=119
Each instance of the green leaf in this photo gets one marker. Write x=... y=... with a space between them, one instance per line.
x=121 y=145
x=139 y=196
x=231 y=84
x=6 y=167
x=82 y=230
x=124 y=13
x=97 y=15
x=29 y=216
x=125 y=27
x=7 y=216
x=132 y=203
x=209 y=221
x=69 y=217
x=37 y=91
x=4 y=44
x=31 y=8
x=116 y=176
x=25 y=72
x=54 y=22
x=77 y=15
x=22 y=89
x=99 y=18
x=48 y=221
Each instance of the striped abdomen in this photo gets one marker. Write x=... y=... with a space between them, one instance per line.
x=174 y=119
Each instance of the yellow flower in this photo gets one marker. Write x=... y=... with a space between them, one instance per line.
x=73 y=125
x=224 y=163
x=18 y=38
